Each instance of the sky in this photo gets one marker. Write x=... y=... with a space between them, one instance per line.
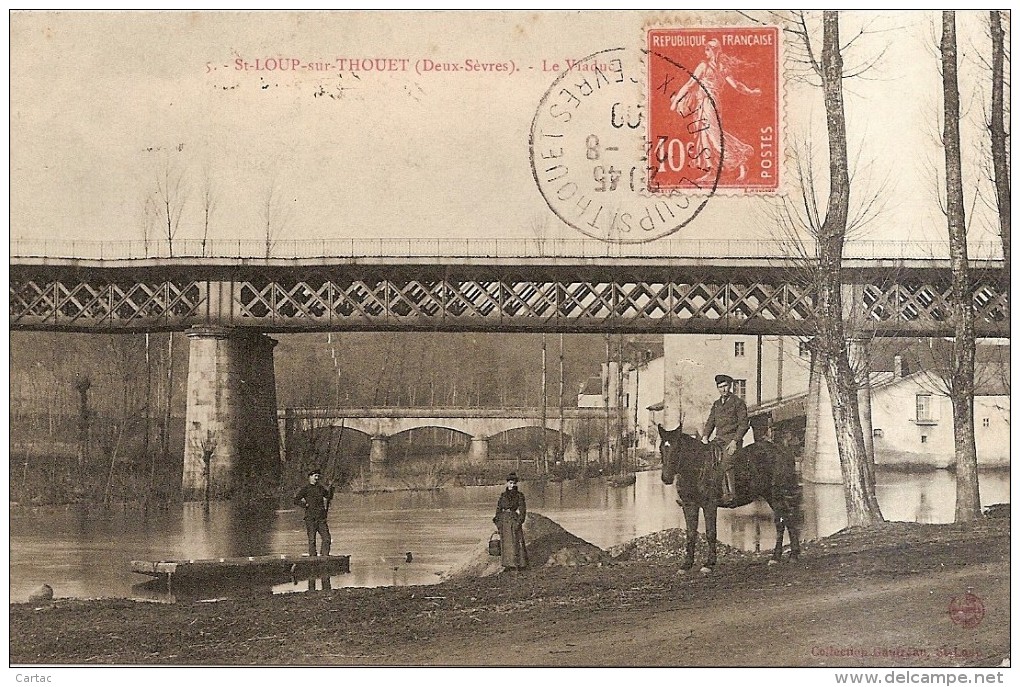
x=103 y=102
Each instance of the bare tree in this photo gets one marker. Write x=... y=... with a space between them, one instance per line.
x=274 y=214
x=169 y=199
x=207 y=446
x=208 y=206
x=171 y=196
x=857 y=466
x=82 y=384
x=149 y=222
x=999 y=136
x=544 y=466
x=968 y=504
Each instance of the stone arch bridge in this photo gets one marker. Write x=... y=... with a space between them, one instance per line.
x=481 y=424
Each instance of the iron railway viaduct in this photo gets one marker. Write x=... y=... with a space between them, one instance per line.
x=229 y=306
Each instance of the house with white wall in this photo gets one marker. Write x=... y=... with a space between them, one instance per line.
x=764 y=368
x=912 y=424
x=911 y=413
x=643 y=383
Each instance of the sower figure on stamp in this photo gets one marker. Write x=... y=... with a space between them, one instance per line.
x=511 y=510
x=707 y=82
x=728 y=419
x=316 y=499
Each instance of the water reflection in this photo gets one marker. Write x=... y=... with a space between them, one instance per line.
x=88 y=554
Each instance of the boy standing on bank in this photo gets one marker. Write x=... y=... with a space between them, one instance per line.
x=316 y=499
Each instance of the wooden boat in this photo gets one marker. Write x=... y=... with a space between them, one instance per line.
x=263 y=567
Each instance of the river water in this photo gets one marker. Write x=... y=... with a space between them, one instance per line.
x=87 y=555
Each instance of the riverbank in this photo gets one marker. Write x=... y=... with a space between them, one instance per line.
x=862 y=597
x=283 y=500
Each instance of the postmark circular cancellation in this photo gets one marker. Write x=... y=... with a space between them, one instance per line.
x=628 y=146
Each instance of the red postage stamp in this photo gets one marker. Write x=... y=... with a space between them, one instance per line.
x=723 y=85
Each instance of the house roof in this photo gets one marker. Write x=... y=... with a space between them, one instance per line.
x=991 y=379
x=928 y=351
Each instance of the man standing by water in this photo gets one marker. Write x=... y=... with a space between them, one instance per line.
x=316 y=499
x=728 y=419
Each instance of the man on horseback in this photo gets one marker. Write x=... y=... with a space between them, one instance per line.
x=728 y=419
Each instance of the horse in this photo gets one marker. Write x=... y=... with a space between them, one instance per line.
x=760 y=470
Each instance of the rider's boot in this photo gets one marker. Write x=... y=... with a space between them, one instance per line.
x=728 y=492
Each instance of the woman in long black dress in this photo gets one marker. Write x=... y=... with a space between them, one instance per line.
x=511 y=510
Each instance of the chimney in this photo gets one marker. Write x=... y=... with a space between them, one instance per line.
x=897 y=366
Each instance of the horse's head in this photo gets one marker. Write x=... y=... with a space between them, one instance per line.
x=674 y=446
x=670 y=441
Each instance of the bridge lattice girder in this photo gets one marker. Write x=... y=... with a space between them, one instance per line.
x=754 y=297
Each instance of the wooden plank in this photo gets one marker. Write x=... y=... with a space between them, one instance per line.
x=249 y=566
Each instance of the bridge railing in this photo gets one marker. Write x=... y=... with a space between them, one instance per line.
x=480 y=248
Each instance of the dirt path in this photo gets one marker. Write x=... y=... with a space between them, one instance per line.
x=874 y=597
x=887 y=623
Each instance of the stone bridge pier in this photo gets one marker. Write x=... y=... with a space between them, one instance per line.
x=231 y=417
x=821 y=453
x=479 y=450
x=377 y=454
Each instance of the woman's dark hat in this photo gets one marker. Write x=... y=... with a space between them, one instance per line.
x=723 y=379
x=512 y=477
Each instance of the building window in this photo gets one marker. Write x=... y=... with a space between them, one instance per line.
x=877 y=433
x=985 y=422
x=740 y=387
x=738 y=349
x=803 y=351
x=924 y=438
x=924 y=415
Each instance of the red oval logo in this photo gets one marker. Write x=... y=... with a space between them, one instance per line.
x=967 y=610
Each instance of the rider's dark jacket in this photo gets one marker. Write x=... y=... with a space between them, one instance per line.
x=728 y=419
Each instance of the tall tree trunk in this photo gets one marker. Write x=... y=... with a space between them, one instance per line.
x=148 y=413
x=621 y=412
x=545 y=387
x=82 y=384
x=605 y=393
x=165 y=438
x=559 y=438
x=1000 y=159
x=968 y=506
x=858 y=474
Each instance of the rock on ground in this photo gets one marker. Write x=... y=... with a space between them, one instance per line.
x=40 y=594
x=668 y=545
x=548 y=545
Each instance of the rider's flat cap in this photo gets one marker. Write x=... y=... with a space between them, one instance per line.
x=723 y=379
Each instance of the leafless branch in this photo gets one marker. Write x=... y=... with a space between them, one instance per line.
x=208 y=206
x=275 y=215
x=171 y=195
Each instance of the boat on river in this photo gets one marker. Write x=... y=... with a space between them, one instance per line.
x=259 y=567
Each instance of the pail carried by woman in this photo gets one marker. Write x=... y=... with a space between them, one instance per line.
x=495 y=548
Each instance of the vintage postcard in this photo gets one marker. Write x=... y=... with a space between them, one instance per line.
x=511 y=338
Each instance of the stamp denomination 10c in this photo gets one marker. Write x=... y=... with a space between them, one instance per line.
x=590 y=153
x=727 y=94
